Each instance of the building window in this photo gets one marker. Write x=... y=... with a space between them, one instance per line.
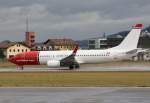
x=39 y=48
x=47 y=48
x=18 y=50
x=103 y=42
x=50 y=48
x=9 y=50
x=18 y=45
x=91 y=41
x=26 y=50
x=22 y=50
x=91 y=46
x=14 y=50
x=44 y=48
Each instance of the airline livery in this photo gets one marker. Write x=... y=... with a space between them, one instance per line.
x=72 y=59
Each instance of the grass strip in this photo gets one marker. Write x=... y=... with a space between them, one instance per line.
x=75 y=79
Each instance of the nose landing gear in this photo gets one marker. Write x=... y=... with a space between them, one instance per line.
x=20 y=67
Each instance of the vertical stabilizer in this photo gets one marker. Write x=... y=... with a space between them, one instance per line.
x=131 y=40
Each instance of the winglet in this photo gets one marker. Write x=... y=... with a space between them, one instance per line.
x=138 y=26
x=75 y=50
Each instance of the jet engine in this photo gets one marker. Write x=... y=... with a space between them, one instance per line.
x=53 y=63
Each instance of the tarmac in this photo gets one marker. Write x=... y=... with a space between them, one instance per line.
x=86 y=67
x=75 y=95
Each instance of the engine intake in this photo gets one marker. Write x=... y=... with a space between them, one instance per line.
x=53 y=63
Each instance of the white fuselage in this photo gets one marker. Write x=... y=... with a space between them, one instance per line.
x=84 y=56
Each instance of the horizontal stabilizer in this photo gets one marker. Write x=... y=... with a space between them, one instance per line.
x=132 y=51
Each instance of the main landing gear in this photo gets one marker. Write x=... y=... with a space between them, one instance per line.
x=74 y=66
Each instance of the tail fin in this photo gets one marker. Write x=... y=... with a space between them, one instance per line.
x=75 y=50
x=131 y=40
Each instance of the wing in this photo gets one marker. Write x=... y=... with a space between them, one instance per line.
x=70 y=60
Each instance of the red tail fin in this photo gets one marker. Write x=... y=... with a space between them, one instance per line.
x=75 y=50
x=138 y=26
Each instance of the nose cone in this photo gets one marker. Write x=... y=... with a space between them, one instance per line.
x=12 y=60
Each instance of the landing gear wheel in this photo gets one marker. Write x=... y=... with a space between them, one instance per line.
x=20 y=67
x=71 y=67
x=77 y=66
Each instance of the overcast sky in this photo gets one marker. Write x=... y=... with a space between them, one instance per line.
x=76 y=19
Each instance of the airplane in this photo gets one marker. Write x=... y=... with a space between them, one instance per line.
x=73 y=58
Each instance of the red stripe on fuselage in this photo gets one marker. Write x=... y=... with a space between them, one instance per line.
x=31 y=58
x=26 y=58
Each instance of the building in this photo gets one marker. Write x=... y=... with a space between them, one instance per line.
x=30 y=39
x=113 y=41
x=16 y=48
x=83 y=44
x=144 y=41
x=97 y=43
x=56 y=44
x=9 y=49
x=41 y=47
x=60 y=44
x=3 y=47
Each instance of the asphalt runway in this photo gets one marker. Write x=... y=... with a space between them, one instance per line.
x=89 y=67
x=75 y=95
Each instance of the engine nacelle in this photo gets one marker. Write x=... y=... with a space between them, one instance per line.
x=53 y=63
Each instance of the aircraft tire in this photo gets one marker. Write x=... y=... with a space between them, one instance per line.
x=71 y=67
x=77 y=66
